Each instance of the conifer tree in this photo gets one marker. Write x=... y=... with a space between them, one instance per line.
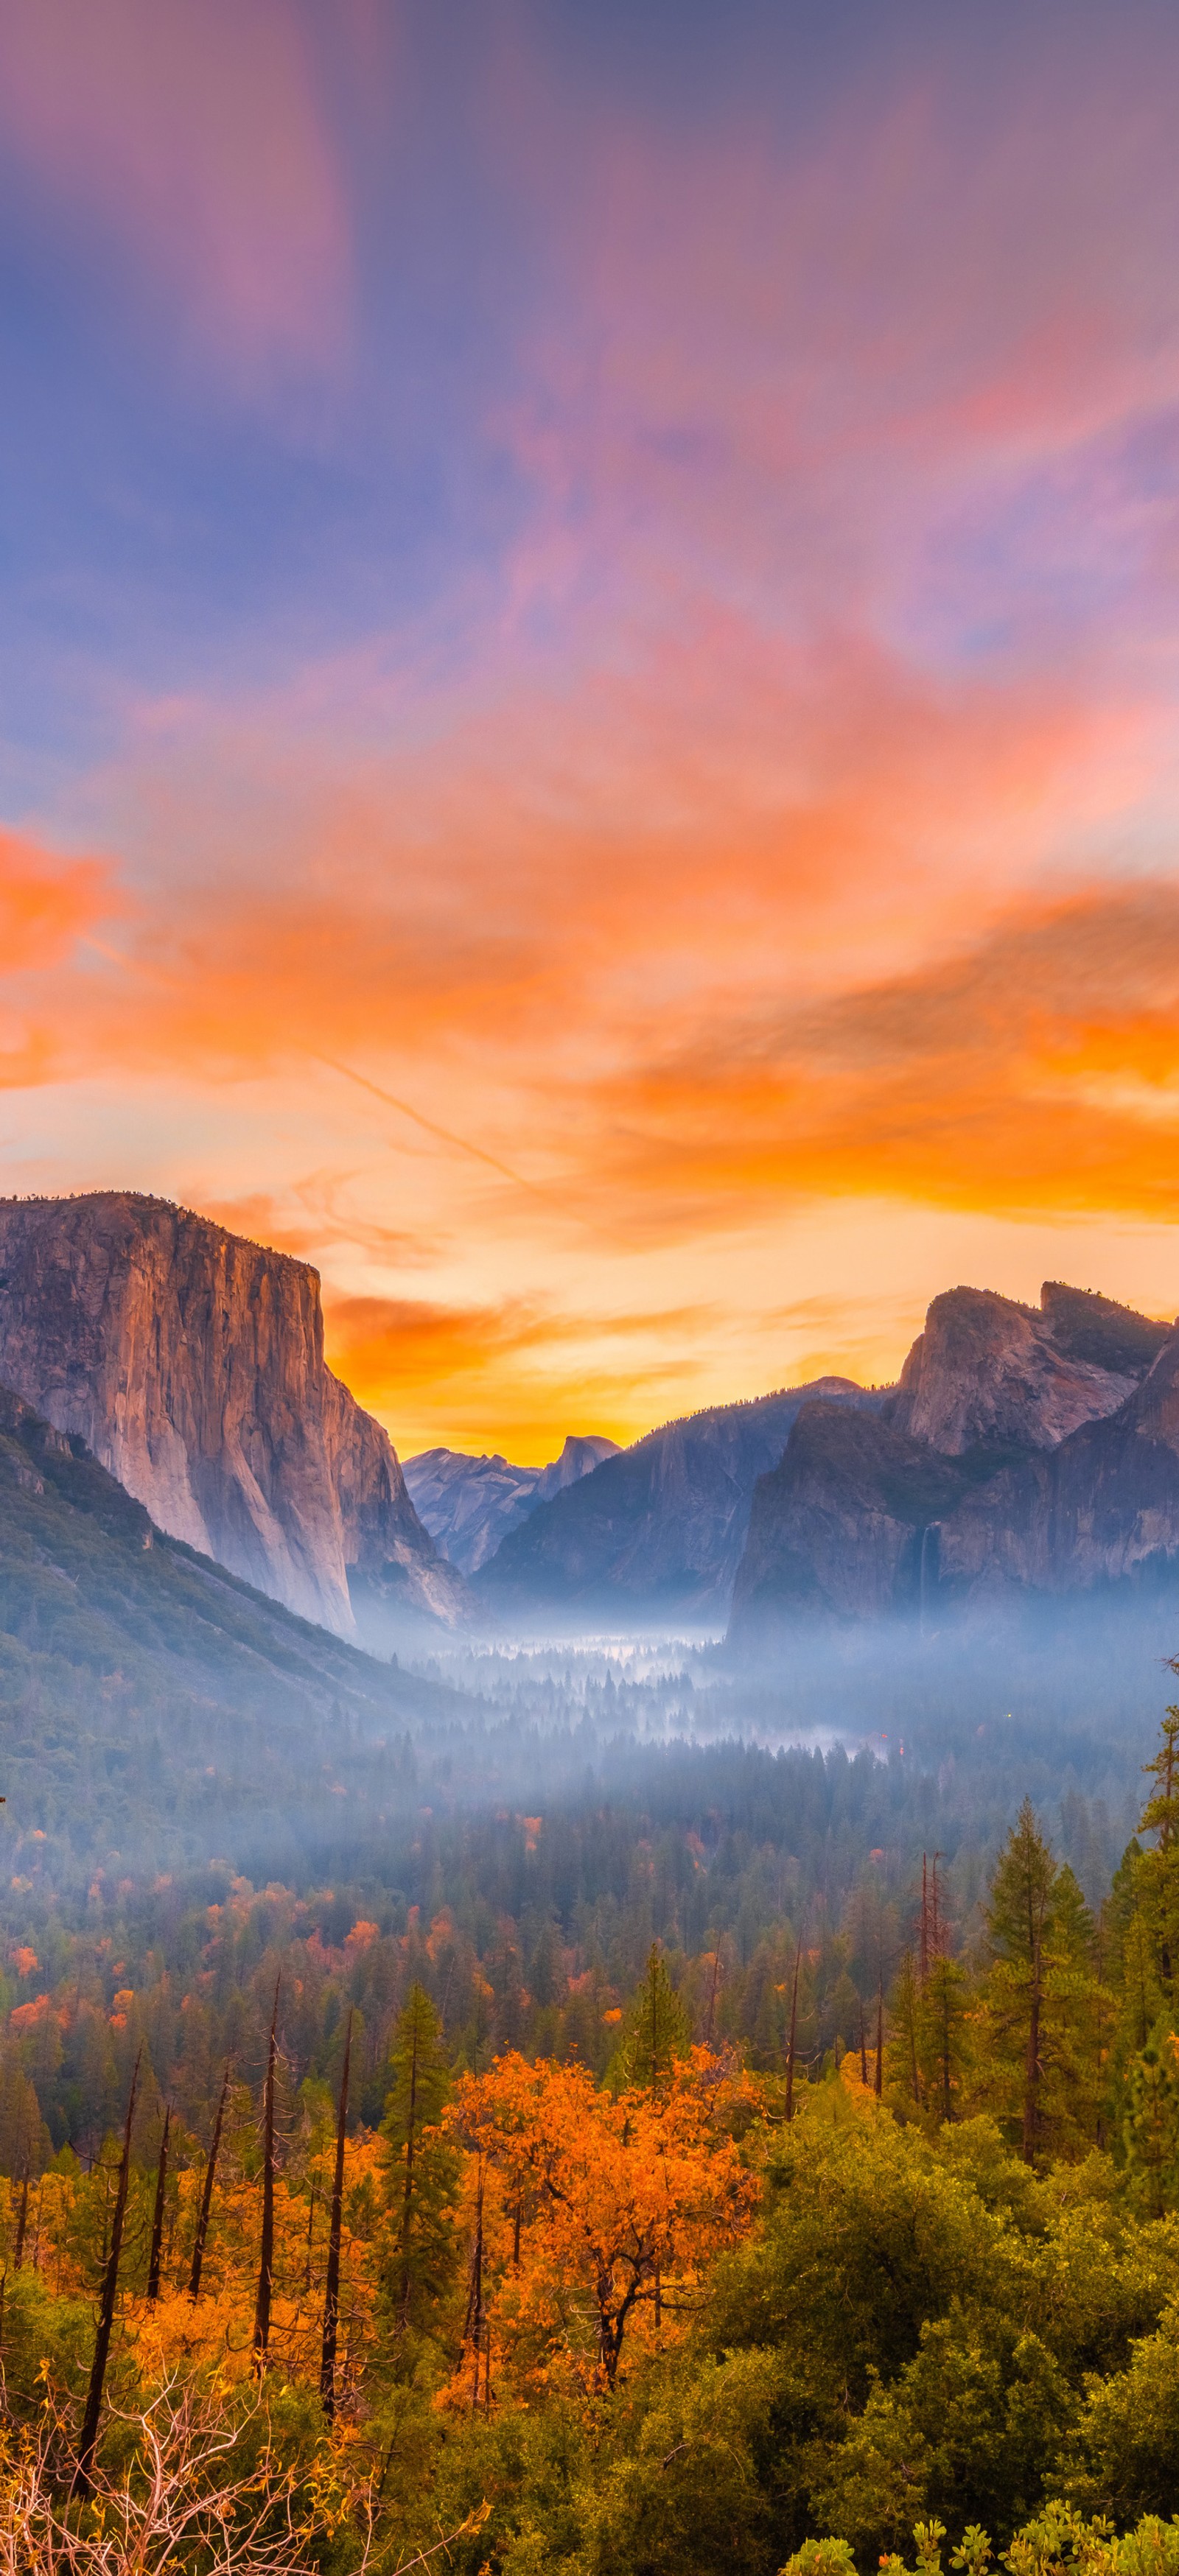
x=1159 y=1867
x=942 y=2036
x=1150 y=2129
x=423 y=2167
x=654 y=2035
x=1130 y=1933
x=902 y=2059
x=1041 y=2069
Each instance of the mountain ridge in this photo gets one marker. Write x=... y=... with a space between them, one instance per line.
x=1016 y=1497
x=469 y=1504
x=659 y=1528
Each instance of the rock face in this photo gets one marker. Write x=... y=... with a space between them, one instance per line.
x=1022 y=1453
x=986 y=1370
x=191 y=1364
x=658 y=1529
x=469 y=1504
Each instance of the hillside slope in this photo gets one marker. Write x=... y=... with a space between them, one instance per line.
x=152 y=1706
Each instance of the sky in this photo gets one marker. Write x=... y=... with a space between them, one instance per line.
x=589 y=656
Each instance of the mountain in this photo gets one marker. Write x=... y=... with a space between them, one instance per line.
x=469 y=1504
x=660 y=1527
x=153 y=1709
x=191 y=1364
x=986 y=1370
x=1023 y=1454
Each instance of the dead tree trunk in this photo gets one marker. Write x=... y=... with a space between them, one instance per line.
x=157 y=2217
x=266 y=2258
x=411 y=2128
x=331 y=2296
x=793 y=2033
x=198 y=2250
x=22 y=2221
x=106 y=2307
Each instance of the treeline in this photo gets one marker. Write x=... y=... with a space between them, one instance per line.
x=527 y=1932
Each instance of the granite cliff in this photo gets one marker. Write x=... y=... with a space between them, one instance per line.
x=469 y=1504
x=659 y=1528
x=191 y=1364
x=1024 y=1452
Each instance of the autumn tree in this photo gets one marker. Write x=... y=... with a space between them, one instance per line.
x=624 y=2200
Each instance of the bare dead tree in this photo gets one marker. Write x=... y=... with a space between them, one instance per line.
x=174 y=2501
x=198 y=2249
x=157 y=2216
x=22 y=2220
x=106 y=2306
x=793 y=2032
x=331 y=2296
x=266 y=2256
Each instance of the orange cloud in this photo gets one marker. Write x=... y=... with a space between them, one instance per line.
x=1036 y=1072
x=444 y=1372
x=584 y=864
x=45 y=904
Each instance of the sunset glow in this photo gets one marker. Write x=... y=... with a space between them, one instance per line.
x=590 y=662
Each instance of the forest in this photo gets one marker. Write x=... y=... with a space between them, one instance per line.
x=750 y=2157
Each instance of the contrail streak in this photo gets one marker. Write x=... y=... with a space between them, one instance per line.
x=430 y=1125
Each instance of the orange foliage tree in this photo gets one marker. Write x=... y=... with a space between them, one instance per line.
x=598 y=2214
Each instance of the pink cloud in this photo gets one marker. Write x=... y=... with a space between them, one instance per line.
x=190 y=130
x=785 y=368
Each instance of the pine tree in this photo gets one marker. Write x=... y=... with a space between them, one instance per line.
x=1159 y=1868
x=1130 y=1936
x=902 y=2062
x=943 y=2036
x=654 y=2035
x=423 y=2167
x=1041 y=2070
x=1150 y=2129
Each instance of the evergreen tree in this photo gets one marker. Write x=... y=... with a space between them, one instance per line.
x=902 y=2056
x=423 y=2167
x=943 y=2037
x=655 y=2033
x=1040 y=1996
x=1158 y=1869
x=1150 y=2129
